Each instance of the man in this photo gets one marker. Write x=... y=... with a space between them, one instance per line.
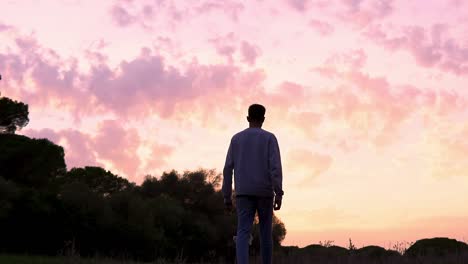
x=255 y=158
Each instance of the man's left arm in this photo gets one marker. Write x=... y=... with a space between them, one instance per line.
x=276 y=171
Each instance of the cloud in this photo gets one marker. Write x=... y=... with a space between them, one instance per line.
x=312 y=163
x=364 y=108
x=225 y=45
x=323 y=28
x=144 y=85
x=158 y=157
x=148 y=13
x=249 y=52
x=39 y=76
x=358 y=107
x=299 y=5
x=303 y=6
x=147 y=84
x=113 y=145
x=231 y=8
x=362 y=13
x=288 y=95
x=5 y=27
x=119 y=146
x=122 y=17
x=430 y=47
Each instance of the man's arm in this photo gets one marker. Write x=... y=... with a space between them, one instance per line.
x=276 y=170
x=227 y=176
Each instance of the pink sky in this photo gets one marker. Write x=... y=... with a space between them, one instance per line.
x=367 y=98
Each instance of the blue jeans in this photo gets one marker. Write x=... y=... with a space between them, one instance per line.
x=246 y=208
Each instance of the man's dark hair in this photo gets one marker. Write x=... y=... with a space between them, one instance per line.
x=257 y=112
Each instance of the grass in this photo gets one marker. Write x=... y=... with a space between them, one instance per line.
x=454 y=259
x=358 y=260
x=17 y=259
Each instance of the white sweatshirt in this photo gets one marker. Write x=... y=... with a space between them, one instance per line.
x=254 y=156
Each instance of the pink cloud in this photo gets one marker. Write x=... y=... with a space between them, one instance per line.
x=113 y=144
x=148 y=84
x=323 y=28
x=373 y=109
x=119 y=146
x=288 y=95
x=135 y=88
x=4 y=27
x=146 y=13
x=44 y=133
x=158 y=156
x=229 y=7
x=352 y=5
x=12 y=68
x=249 y=52
x=365 y=12
x=432 y=47
x=225 y=45
x=121 y=16
x=299 y=5
x=304 y=5
x=50 y=77
x=352 y=60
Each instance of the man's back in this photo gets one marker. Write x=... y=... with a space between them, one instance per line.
x=254 y=155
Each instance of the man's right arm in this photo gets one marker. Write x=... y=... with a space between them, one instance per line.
x=227 y=176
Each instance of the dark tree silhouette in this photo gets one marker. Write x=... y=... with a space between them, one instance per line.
x=13 y=115
x=98 y=180
x=32 y=162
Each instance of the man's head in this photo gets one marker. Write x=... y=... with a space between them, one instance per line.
x=256 y=115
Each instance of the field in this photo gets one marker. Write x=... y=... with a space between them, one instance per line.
x=14 y=259
x=453 y=259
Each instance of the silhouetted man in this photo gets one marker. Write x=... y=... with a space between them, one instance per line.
x=255 y=158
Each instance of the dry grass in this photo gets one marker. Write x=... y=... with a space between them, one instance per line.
x=454 y=259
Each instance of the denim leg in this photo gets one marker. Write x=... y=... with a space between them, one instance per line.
x=265 y=217
x=245 y=217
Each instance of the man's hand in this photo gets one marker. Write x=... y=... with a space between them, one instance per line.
x=277 y=204
x=228 y=207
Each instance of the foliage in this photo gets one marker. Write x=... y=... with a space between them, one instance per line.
x=436 y=247
x=98 y=180
x=31 y=162
x=88 y=211
x=375 y=252
x=326 y=243
x=16 y=259
x=351 y=246
x=13 y=115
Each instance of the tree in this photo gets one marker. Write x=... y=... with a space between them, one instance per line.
x=13 y=115
x=98 y=180
x=30 y=162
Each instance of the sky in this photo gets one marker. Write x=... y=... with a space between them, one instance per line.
x=368 y=100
